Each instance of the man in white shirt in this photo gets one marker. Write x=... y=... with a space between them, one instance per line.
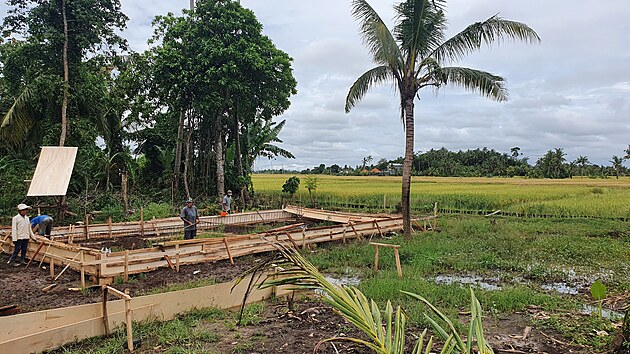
x=21 y=232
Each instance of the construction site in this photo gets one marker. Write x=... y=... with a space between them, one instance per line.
x=85 y=265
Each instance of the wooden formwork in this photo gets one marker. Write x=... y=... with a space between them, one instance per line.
x=173 y=254
x=158 y=227
x=35 y=332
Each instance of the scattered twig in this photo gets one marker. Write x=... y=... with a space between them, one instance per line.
x=561 y=342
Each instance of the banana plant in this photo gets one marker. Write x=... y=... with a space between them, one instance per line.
x=385 y=330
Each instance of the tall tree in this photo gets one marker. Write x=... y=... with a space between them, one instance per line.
x=57 y=37
x=617 y=164
x=413 y=56
x=208 y=60
x=582 y=161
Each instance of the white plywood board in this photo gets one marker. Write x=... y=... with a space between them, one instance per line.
x=53 y=171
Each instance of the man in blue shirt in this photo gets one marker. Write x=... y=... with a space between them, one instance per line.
x=43 y=225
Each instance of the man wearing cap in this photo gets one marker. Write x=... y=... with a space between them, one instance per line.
x=21 y=232
x=190 y=216
x=42 y=224
x=227 y=202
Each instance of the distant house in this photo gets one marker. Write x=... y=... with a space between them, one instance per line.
x=364 y=171
x=395 y=169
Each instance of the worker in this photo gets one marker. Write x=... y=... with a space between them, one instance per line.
x=21 y=232
x=42 y=224
x=190 y=216
x=227 y=202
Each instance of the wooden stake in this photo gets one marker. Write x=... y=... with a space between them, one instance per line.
x=52 y=267
x=82 y=271
x=87 y=226
x=398 y=266
x=105 y=320
x=227 y=248
x=109 y=226
x=343 y=237
x=292 y=241
x=435 y=216
x=376 y=259
x=129 y=324
x=141 y=222
x=177 y=258
x=66 y=267
x=36 y=252
x=168 y=260
x=303 y=239
x=126 y=276
x=379 y=228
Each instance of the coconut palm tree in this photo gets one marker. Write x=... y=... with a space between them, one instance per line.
x=617 y=164
x=582 y=161
x=413 y=55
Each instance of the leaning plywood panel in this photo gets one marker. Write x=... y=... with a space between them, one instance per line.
x=53 y=171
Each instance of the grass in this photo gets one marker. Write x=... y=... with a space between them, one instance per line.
x=188 y=333
x=519 y=255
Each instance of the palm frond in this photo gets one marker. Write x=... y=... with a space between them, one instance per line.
x=385 y=330
x=17 y=121
x=376 y=35
x=479 y=33
x=366 y=81
x=484 y=83
x=420 y=28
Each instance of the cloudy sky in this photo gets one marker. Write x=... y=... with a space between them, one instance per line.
x=571 y=91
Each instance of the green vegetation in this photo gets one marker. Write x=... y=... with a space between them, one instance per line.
x=578 y=197
x=385 y=330
x=525 y=258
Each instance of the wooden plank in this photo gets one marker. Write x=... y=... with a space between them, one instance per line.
x=53 y=171
x=46 y=330
x=227 y=249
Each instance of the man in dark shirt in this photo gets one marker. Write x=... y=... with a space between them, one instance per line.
x=190 y=216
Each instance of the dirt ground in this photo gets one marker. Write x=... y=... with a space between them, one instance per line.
x=280 y=330
x=23 y=286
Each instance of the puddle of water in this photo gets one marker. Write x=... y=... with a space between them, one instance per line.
x=466 y=280
x=606 y=313
x=339 y=280
x=562 y=288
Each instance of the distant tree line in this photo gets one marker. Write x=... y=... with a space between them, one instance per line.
x=482 y=162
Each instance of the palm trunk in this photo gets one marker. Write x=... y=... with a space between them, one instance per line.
x=64 y=102
x=123 y=186
x=407 y=163
x=187 y=159
x=244 y=192
x=218 y=151
x=178 y=154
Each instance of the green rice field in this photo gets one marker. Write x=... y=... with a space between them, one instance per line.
x=577 y=197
